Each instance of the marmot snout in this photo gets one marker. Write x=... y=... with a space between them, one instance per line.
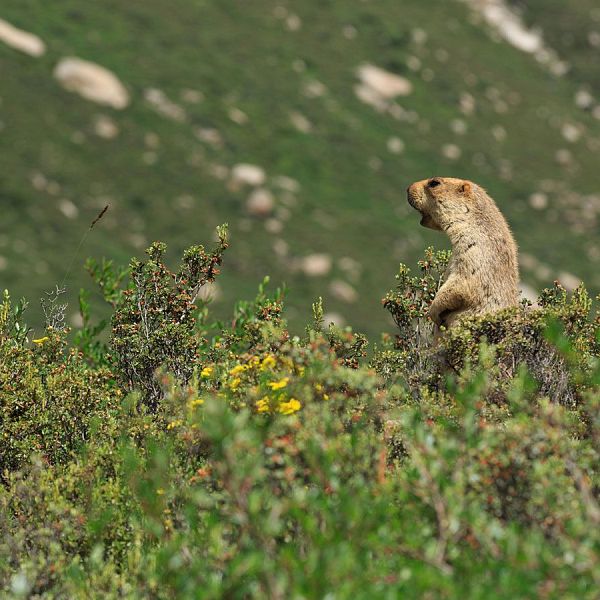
x=482 y=275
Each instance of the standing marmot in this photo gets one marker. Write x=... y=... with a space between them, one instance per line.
x=483 y=273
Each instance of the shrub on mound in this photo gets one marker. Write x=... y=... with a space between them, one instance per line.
x=191 y=460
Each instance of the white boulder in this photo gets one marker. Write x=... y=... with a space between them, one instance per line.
x=92 y=82
x=316 y=265
x=23 y=41
x=247 y=174
x=260 y=203
x=377 y=85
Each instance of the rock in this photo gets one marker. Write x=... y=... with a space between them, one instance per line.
x=192 y=96
x=210 y=136
x=316 y=265
x=39 y=181
x=283 y=213
x=238 y=116
x=286 y=183
x=538 y=200
x=419 y=36
x=218 y=171
x=413 y=63
x=274 y=226
x=92 y=82
x=369 y=96
x=68 y=209
x=300 y=122
x=395 y=145
x=386 y=84
x=314 y=89
x=352 y=268
x=508 y=24
x=563 y=157
x=343 y=291
x=583 y=99
x=568 y=280
x=571 y=132
x=247 y=174
x=260 y=203
x=335 y=318
x=499 y=133
x=467 y=103
x=105 y=127
x=163 y=106
x=76 y=320
x=451 y=151
x=23 y=41
x=293 y=22
x=458 y=126
x=210 y=292
x=349 y=32
x=528 y=293
x=280 y=247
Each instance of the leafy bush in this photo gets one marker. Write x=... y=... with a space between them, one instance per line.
x=184 y=460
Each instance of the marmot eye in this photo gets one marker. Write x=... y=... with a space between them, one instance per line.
x=434 y=183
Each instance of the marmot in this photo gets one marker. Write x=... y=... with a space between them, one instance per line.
x=483 y=273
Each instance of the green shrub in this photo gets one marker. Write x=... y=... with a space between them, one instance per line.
x=184 y=460
x=49 y=398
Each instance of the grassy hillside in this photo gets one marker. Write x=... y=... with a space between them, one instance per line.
x=281 y=63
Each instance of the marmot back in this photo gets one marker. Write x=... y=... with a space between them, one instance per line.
x=483 y=274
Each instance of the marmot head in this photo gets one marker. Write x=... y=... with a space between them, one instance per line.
x=441 y=201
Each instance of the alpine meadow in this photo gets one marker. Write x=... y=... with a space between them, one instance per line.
x=233 y=364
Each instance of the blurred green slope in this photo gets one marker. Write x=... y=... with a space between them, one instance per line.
x=263 y=58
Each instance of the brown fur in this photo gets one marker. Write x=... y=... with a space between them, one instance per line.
x=483 y=274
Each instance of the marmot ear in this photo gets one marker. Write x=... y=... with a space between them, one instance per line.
x=465 y=188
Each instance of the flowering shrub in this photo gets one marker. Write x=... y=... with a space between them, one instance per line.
x=183 y=460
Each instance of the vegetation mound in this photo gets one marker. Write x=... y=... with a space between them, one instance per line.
x=180 y=458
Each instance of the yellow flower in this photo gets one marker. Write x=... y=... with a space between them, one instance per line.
x=160 y=491
x=289 y=407
x=319 y=388
x=268 y=362
x=41 y=340
x=234 y=384
x=175 y=423
x=278 y=385
x=238 y=369
x=195 y=402
x=206 y=372
x=262 y=405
